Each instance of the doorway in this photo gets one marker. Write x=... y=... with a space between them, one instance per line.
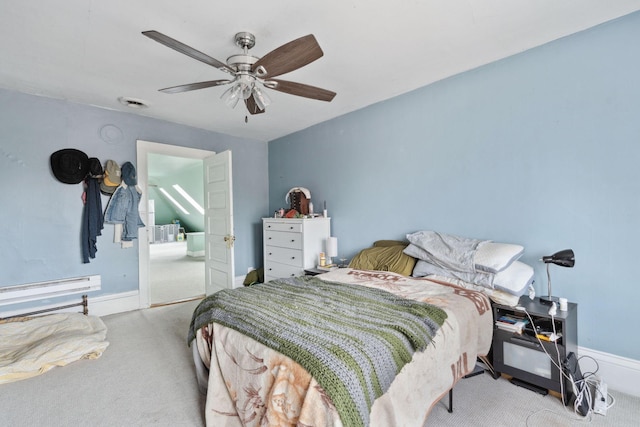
x=175 y=226
x=172 y=252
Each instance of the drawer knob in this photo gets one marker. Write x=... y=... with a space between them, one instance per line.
x=293 y=240
x=270 y=269
x=269 y=238
x=293 y=257
x=270 y=253
x=290 y=228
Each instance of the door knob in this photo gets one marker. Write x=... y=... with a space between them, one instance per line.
x=229 y=240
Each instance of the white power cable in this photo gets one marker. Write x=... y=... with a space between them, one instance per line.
x=581 y=390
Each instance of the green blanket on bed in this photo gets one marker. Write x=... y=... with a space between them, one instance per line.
x=352 y=339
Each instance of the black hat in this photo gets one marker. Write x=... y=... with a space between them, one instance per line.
x=69 y=165
x=95 y=168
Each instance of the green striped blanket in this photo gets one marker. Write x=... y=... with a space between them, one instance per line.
x=352 y=339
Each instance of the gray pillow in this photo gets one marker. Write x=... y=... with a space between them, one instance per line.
x=484 y=255
x=514 y=279
x=446 y=250
x=425 y=268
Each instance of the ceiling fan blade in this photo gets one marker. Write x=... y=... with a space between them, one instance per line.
x=187 y=50
x=300 y=89
x=252 y=107
x=194 y=86
x=290 y=56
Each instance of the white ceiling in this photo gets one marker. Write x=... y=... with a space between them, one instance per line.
x=93 y=52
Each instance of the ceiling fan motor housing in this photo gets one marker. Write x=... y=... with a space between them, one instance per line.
x=245 y=40
x=241 y=62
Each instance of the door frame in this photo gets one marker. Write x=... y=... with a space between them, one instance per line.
x=142 y=149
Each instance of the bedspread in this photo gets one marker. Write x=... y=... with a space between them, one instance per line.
x=352 y=339
x=250 y=384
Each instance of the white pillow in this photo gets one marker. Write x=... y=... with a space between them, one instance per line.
x=514 y=279
x=494 y=257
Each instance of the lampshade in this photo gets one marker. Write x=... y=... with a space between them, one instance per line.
x=232 y=95
x=563 y=258
x=332 y=247
x=261 y=98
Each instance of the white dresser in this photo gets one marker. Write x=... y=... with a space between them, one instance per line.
x=291 y=245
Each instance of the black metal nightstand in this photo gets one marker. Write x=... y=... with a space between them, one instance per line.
x=527 y=358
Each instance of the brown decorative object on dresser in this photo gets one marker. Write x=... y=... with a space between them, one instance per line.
x=299 y=202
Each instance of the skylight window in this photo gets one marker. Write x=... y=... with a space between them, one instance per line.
x=174 y=201
x=189 y=198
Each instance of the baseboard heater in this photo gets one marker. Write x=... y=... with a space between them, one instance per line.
x=10 y=295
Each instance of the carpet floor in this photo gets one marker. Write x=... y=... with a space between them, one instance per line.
x=173 y=275
x=146 y=377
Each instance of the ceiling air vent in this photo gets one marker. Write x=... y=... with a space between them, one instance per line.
x=133 y=102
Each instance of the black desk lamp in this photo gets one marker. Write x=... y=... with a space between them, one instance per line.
x=563 y=258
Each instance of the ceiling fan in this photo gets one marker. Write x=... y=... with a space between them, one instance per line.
x=249 y=73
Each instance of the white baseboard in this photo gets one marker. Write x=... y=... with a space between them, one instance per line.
x=127 y=301
x=619 y=373
x=196 y=254
x=114 y=303
x=238 y=282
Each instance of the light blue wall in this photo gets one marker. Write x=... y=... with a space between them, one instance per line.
x=41 y=216
x=541 y=149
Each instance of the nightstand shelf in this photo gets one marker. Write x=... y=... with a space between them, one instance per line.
x=526 y=358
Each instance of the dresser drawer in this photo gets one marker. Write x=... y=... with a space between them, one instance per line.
x=286 y=256
x=283 y=240
x=294 y=227
x=276 y=271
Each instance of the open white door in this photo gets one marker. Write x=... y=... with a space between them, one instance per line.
x=218 y=223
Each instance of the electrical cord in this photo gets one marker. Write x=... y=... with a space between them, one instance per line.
x=592 y=380
x=580 y=387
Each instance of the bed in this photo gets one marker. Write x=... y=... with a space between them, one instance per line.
x=250 y=381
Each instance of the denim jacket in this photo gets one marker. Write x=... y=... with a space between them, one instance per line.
x=123 y=209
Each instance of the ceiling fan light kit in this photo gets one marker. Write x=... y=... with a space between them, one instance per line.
x=250 y=73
